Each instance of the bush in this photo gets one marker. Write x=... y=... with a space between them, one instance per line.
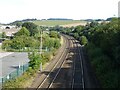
x=57 y=43
x=35 y=60
x=84 y=40
x=54 y=34
x=103 y=67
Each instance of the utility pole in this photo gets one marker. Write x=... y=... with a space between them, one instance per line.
x=41 y=49
x=41 y=43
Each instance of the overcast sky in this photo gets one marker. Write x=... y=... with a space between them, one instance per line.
x=11 y=10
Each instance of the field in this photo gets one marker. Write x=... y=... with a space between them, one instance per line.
x=64 y=23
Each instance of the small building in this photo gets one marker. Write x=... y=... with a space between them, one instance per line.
x=7 y=27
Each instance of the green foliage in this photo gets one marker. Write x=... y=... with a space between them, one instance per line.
x=31 y=27
x=103 y=51
x=78 y=29
x=6 y=44
x=20 y=43
x=23 y=31
x=0 y=35
x=35 y=60
x=18 y=24
x=67 y=31
x=19 y=82
x=17 y=43
x=51 y=43
x=84 y=40
x=46 y=57
x=54 y=34
x=117 y=54
x=76 y=35
x=57 y=43
x=3 y=35
x=103 y=47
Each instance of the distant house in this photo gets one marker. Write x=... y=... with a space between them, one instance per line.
x=10 y=32
x=7 y=27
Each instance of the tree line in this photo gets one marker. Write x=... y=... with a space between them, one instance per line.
x=101 y=40
x=28 y=38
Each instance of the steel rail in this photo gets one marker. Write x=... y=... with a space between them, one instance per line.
x=81 y=60
x=80 y=54
x=59 y=70
x=40 y=85
x=72 y=86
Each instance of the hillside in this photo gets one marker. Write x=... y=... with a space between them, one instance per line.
x=59 y=22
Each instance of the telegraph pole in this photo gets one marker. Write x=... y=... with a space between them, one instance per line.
x=41 y=49
x=41 y=43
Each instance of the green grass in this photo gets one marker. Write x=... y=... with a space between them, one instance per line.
x=1 y=49
x=56 y=22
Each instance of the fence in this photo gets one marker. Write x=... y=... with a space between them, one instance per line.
x=20 y=70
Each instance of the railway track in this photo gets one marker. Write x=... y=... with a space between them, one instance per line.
x=68 y=70
x=62 y=72
x=78 y=74
x=46 y=82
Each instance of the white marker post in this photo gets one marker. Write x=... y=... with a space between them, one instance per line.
x=8 y=77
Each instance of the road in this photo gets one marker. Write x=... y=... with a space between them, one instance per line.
x=68 y=69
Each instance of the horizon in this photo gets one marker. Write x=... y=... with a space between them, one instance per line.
x=13 y=10
x=57 y=18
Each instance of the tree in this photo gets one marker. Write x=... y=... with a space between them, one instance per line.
x=3 y=35
x=84 y=40
x=76 y=35
x=18 y=24
x=54 y=34
x=78 y=29
x=57 y=43
x=31 y=27
x=51 y=43
x=23 y=31
x=104 y=53
x=6 y=44
x=34 y=60
x=18 y=43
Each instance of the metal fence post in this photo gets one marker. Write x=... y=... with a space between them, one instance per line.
x=23 y=68
x=20 y=70
x=2 y=80
x=17 y=71
x=10 y=76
